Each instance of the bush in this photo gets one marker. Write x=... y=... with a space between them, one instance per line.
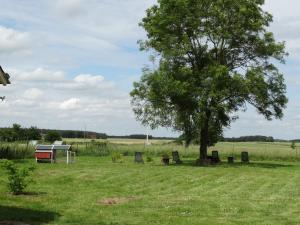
x=116 y=157
x=165 y=156
x=18 y=178
x=149 y=159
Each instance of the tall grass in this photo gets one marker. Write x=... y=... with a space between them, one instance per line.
x=258 y=151
x=16 y=150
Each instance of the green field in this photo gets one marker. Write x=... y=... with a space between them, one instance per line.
x=96 y=191
x=259 y=151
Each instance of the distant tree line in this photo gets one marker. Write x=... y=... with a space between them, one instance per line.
x=141 y=136
x=17 y=133
x=256 y=138
x=77 y=134
x=132 y=136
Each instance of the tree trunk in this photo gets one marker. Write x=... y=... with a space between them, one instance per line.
x=204 y=138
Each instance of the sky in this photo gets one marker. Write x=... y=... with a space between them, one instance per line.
x=72 y=64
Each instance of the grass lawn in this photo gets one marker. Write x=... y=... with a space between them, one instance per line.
x=86 y=193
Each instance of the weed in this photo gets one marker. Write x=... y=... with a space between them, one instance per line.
x=18 y=177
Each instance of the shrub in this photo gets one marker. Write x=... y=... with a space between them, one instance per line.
x=18 y=178
x=165 y=156
x=116 y=157
x=149 y=159
x=293 y=145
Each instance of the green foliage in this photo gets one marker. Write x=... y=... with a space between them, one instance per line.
x=79 y=134
x=33 y=133
x=52 y=136
x=255 y=138
x=117 y=157
x=293 y=145
x=214 y=57
x=16 y=151
x=17 y=133
x=91 y=148
x=259 y=151
x=149 y=159
x=179 y=141
x=165 y=155
x=18 y=177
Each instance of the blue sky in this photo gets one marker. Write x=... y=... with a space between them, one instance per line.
x=72 y=64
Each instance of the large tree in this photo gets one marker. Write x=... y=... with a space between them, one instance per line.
x=53 y=136
x=4 y=80
x=214 y=57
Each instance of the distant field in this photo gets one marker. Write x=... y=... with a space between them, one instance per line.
x=96 y=191
x=258 y=151
x=117 y=140
x=279 y=151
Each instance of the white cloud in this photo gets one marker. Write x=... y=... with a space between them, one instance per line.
x=86 y=83
x=282 y=9
x=69 y=8
x=39 y=74
x=33 y=93
x=23 y=103
x=72 y=103
x=12 y=40
x=77 y=100
x=88 y=79
x=70 y=42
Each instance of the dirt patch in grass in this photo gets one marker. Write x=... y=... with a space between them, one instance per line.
x=116 y=200
x=12 y=223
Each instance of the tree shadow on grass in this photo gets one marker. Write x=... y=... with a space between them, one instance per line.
x=33 y=193
x=15 y=215
x=109 y=223
x=265 y=165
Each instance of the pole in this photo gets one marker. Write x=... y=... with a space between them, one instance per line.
x=84 y=134
x=147 y=141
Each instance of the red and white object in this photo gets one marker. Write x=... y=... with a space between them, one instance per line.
x=47 y=153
